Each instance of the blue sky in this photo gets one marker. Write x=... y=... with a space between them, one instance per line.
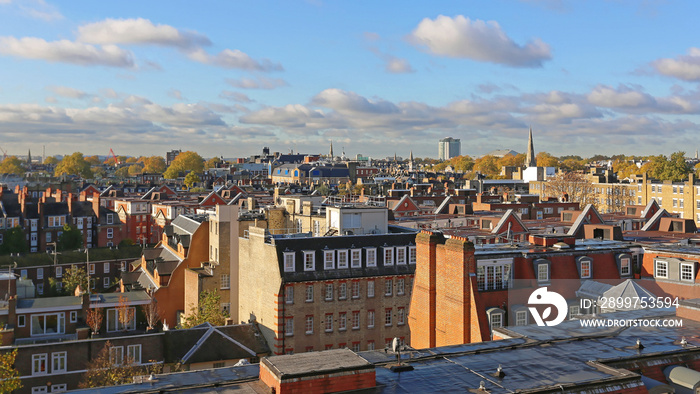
x=377 y=78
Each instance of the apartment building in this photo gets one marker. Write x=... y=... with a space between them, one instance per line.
x=349 y=287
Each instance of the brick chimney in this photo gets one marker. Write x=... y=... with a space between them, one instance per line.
x=96 y=205
x=70 y=203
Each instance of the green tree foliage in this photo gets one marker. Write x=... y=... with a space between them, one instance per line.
x=512 y=160
x=625 y=168
x=209 y=310
x=487 y=165
x=12 y=165
x=74 y=164
x=131 y=160
x=15 y=241
x=674 y=168
x=73 y=277
x=185 y=162
x=154 y=164
x=123 y=172
x=70 y=239
x=105 y=371
x=9 y=375
x=93 y=160
x=323 y=189
x=135 y=169
x=211 y=163
x=98 y=172
x=190 y=179
x=544 y=159
x=51 y=160
x=572 y=163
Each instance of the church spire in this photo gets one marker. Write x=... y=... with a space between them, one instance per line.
x=531 y=160
x=331 y=152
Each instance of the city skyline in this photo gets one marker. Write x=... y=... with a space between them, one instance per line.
x=227 y=79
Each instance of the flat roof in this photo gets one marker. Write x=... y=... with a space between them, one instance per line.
x=315 y=363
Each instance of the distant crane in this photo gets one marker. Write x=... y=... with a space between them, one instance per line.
x=4 y=153
x=111 y=152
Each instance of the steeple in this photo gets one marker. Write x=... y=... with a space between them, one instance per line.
x=410 y=161
x=531 y=160
x=29 y=157
x=331 y=152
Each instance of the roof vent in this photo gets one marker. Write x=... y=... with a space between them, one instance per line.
x=499 y=372
x=561 y=245
x=639 y=345
x=684 y=342
x=482 y=386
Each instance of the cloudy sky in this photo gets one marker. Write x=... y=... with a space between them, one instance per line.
x=229 y=77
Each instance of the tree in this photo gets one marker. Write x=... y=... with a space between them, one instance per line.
x=74 y=164
x=676 y=168
x=487 y=165
x=544 y=159
x=208 y=310
x=110 y=368
x=15 y=241
x=512 y=160
x=93 y=160
x=135 y=170
x=154 y=164
x=71 y=238
x=185 y=162
x=212 y=163
x=131 y=160
x=95 y=316
x=125 y=313
x=9 y=375
x=323 y=189
x=152 y=313
x=122 y=172
x=74 y=277
x=11 y=165
x=190 y=179
x=51 y=160
x=571 y=185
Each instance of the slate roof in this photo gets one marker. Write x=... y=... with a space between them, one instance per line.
x=206 y=343
x=187 y=224
x=82 y=209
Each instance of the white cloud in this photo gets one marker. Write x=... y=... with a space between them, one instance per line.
x=233 y=58
x=686 y=67
x=67 y=92
x=257 y=83
x=176 y=94
x=235 y=96
x=396 y=65
x=629 y=99
x=65 y=51
x=460 y=37
x=39 y=9
x=139 y=31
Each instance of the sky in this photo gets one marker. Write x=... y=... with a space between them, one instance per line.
x=227 y=78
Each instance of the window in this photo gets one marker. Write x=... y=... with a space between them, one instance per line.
x=496 y=320
x=48 y=237
x=387 y=317
x=521 y=318
x=370 y=345
x=371 y=257
x=687 y=272
x=342 y=291
x=226 y=307
x=40 y=288
x=661 y=269
x=310 y=324
x=573 y=311
x=116 y=355
x=40 y=273
x=342 y=321
x=73 y=316
x=289 y=294
x=58 y=362
x=91 y=269
x=23 y=274
x=370 y=319
x=122 y=266
x=624 y=266
x=105 y=268
x=356 y=258
x=225 y=281
x=401 y=316
x=342 y=259
x=39 y=364
x=21 y=320
x=40 y=389
x=675 y=202
x=289 y=326
x=412 y=255
x=542 y=272
x=309 y=261
x=355 y=320
x=113 y=323
x=400 y=286
x=329 y=322
x=585 y=269
x=309 y=293
x=356 y=289
x=289 y=262
x=401 y=255
x=329 y=291
x=493 y=275
x=105 y=282
x=675 y=189
x=93 y=283
x=355 y=347
x=329 y=259
x=48 y=324
x=388 y=256
x=388 y=287
x=370 y=288
x=110 y=233
x=59 y=272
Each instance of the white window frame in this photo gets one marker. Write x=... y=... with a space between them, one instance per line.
x=400 y=316
x=343 y=259
x=371 y=257
x=625 y=266
x=59 y=271
x=91 y=268
x=60 y=324
x=60 y=358
x=21 y=320
x=288 y=261
x=521 y=318
x=289 y=326
x=40 y=273
x=131 y=352
x=329 y=259
x=356 y=258
x=496 y=320
x=309 y=261
x=42 y=358
x=328 y=292
x=573 y=311
x=289 y=295
x=328 y=322
x=370 y=288
x=309 y=293
x=400 y=286
x=113 y=323
x=73 y=316
x=588 y=268
x=388 y=254
x=343 y=291
x=412 y=255
x=309 y=329
x=658 y=264
x=388 y=287
x=110 y=233
x=388 y=317
x=355 y=320
x=355 y=289
x=105 y=268
x=105 y=282
x=225 y=281
x=342 y=321
x=401 y=255
x=690 y=266
x=543 y=272
x=370 y=319
x=116 y=355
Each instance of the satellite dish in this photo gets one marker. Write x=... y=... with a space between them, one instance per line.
x=395 y=344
